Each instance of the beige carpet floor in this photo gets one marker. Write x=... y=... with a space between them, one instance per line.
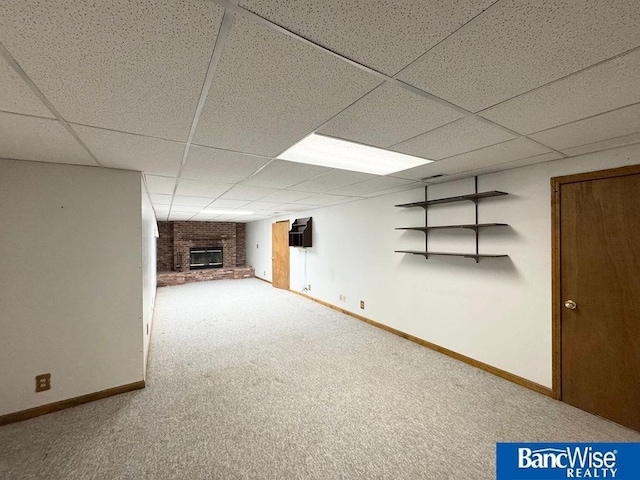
x=247 y=381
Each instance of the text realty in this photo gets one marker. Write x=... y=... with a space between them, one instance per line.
x=578 y=462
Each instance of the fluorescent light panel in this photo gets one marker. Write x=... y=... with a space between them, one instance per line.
x=331 y=152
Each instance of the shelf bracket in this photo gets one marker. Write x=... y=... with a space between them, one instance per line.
x=475 y=181
x=426 y=222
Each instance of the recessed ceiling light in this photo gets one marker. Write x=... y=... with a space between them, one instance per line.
x=227 y=212
x=331 y=152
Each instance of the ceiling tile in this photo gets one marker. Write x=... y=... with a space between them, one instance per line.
x=270 y=90
x=324 y=199
x=160 y=199
x=132 y=66
x=494 y=154
x=257 y=206
x=617 y=123
x=286 y=196
x=291 y=207
x=161 y=215
x=458 y=137
x=161 y=209
x=230 y=217
x=519 y=45
x=545 y=157
x=331 y=180
x=248 y=193
x=195 y=188
x=389 y=115
x=178 y=216
x=163 y=185
x=249 y=218
x=215 y=165
x=185 y=209
x=223 y=203
x=16 y=96
x=282 y=174
x=192 y=201
x=39 y=139
x=202 y=217
x=523 y=162
x=383 y=35
x=371 y=186
x=132 y=152
x=607 y=86
x=388 y=191
x=604 y=145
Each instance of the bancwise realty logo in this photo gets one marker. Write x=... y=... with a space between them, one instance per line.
x=557 y=461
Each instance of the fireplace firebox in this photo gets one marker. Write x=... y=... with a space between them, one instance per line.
x=205 y=257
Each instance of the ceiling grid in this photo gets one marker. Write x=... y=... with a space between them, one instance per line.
x=380 y=75
x=202 y=96
x=221 y=40
x=32 y=86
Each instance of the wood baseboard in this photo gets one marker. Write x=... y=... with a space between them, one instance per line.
x=263 y=279
x=71 y=402
x=450 y=353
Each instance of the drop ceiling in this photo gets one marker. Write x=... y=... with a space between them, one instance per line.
x=203 y=95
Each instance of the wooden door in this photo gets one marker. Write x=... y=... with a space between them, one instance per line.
x=599 y=270
x=280 y=254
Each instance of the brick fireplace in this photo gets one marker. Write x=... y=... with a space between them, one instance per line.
x=178 y=239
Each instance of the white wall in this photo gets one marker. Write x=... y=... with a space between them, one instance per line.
x=70 y=281
x=497 y=311
x=149 y=235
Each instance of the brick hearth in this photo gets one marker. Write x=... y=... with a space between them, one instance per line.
x=178 y=278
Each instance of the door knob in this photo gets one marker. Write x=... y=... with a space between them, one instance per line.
x=570 y=304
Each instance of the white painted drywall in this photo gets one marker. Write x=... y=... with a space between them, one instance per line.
x=259 y=247
x=149 y=236
x=497 y=311
x=70 y=281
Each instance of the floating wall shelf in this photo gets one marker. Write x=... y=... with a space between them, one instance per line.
x=470 y=226
x=473 y=197
x=475 y=256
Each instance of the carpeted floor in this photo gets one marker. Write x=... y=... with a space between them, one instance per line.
x=247 y=381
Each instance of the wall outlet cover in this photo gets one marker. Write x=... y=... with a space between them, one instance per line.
x=43 y=382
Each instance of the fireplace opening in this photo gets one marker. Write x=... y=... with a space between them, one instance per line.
x=205 y=257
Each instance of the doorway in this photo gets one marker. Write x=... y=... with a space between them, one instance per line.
x=596 y=292
x=280 y=254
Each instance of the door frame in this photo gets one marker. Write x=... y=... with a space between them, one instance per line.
x=556 y=274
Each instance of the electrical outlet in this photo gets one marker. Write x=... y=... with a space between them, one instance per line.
x=309 y=287
x=362 y=304
x=43 y=382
